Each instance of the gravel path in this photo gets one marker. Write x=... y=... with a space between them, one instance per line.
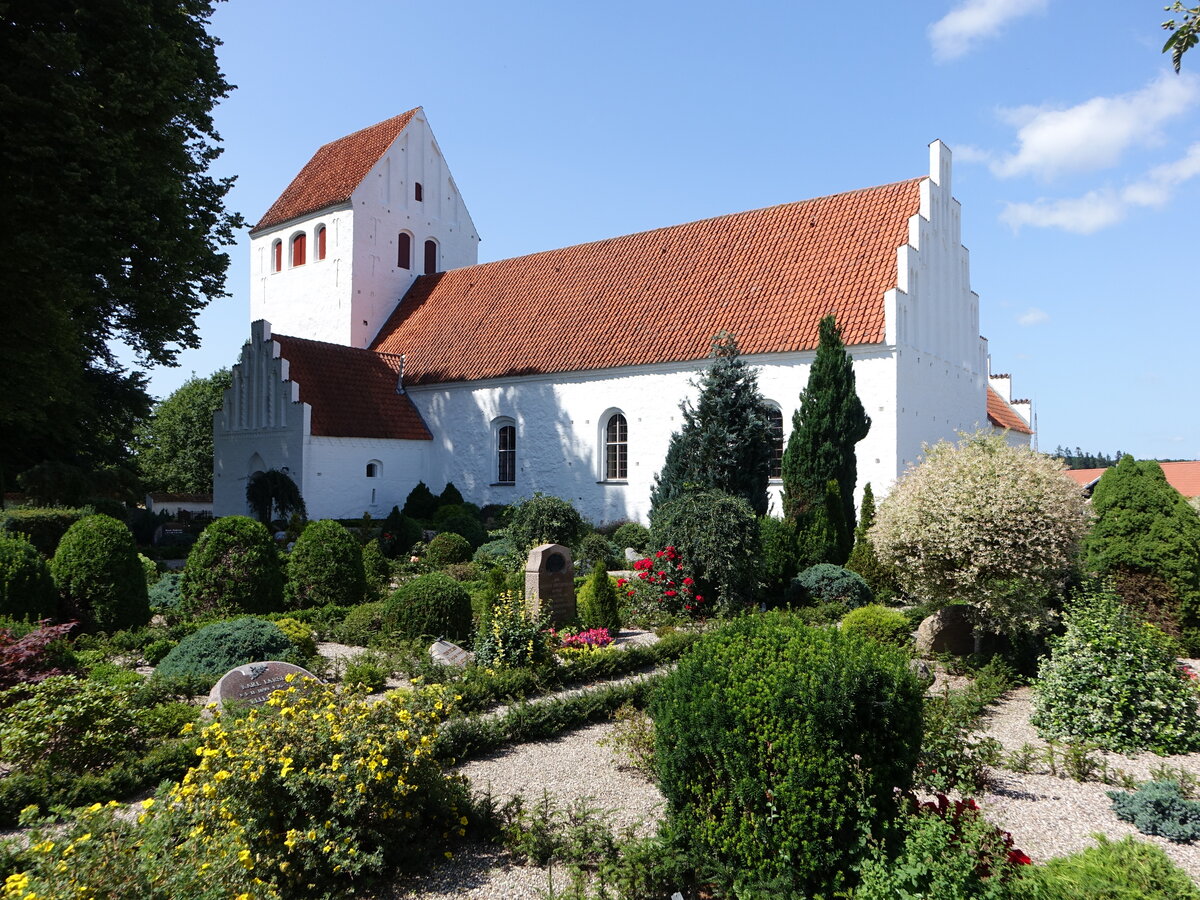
x=1051 y=816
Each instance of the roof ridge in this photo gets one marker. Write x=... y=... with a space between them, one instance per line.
x=369 y=127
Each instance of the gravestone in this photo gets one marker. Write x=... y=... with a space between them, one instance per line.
x=254 y=682
x=550 y=583
x=448 y=653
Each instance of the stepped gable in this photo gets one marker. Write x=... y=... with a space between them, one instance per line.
x=767 y=275
x=352 y=392
x=334 y=171
x=1002 y=415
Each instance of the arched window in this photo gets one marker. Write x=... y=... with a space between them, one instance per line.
x=299 y=247
x=418 y=191
x=404 y=250
x=373 y=469
x=775 y=418
x=431 y=260
x=506 y=452
x=320 y=242
x=616 y=448
x=277 y=256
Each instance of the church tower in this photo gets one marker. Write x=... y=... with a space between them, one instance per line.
x=346 y=239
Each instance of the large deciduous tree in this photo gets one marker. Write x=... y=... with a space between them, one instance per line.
x=982 y=521
x=113 y=223
x=1185 y=31
x=825 y=427
x=725 y=441
x=175 y=445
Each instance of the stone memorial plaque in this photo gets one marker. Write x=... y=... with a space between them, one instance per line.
x=550 y=583
x=254 y=682
x=450 y=654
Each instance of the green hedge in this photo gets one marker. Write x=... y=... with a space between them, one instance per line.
x=43 y=526
x=26 y=588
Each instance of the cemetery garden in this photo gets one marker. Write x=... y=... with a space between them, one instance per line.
x=983 y=686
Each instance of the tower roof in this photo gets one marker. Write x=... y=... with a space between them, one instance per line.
x=767 y=275
x=1002 y=415
x=334 y=171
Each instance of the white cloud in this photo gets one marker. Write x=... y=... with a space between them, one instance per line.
x=969 y=153
x=973 y=20
x=1101 y=208
x=1094 y=134
x=1033 y=316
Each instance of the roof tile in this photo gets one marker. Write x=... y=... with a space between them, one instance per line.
x=1002 y=415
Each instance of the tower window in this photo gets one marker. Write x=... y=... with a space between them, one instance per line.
x=404 y=250
x=431 y=260
x=299 y=248
x=616 y=448
x=775 y=420
x=372 y=470
x=320 y=242
x=418 y=192
x=277 y=256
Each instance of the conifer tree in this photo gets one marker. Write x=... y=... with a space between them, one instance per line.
x=863 y=558
x=725 y=441
x=828 y=423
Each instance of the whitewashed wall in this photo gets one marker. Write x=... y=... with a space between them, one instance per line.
x=336 y=485
x=346 y=297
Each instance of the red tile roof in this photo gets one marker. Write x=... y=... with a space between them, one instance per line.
x=767 y=275
x=352 y=392
x=1002 y=415
x=1184 y=476
x=334 y=171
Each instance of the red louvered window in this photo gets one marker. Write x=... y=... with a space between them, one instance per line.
x=299 y=247
x=404 y=251
x=418 y=192
x=321 y=242
x=277 y=253
x=431 y=260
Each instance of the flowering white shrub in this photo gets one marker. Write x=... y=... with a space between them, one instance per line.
x=982 y=521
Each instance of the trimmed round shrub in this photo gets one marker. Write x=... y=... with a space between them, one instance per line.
x=361 y=624
x=26 y=588
x=879 y=623
x=598 y=604
x=717 y=536
x=233 y=568
x=429 y=606
x=632 y=534
x=325 y=566
x=595 y=551
x=99 y=576
x=827 y=583
x=780 y=747
x=447 y=548
x=466 y=526
x=543 y=519
x=212 y=651
x=1114 y=681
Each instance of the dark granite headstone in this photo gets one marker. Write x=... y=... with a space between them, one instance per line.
x=254 y=682
x=550 y=583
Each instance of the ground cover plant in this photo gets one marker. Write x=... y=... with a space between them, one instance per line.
x=209 y=653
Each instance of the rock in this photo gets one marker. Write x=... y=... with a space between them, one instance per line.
x=632 y=555
x=946 y=631
x=922 y=670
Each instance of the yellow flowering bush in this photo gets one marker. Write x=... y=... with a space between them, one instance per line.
x=293 y=798
x=511 y=637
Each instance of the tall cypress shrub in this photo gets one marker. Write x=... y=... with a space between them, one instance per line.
x=863 y=558
x=828 y=423
x=725 y=441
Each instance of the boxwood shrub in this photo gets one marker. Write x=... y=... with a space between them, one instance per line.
x=429 y=606
x=325 y=566
x=447 y=548
x=780 y=748
x=26 y=588
x=234 y=568
x=99 y=576
x=879 y=623
x=212 y=651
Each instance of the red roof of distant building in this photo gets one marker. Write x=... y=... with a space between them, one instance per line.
x=1002 y=415
x=1184 y=476
x=767 y=275
x=352 y=392
x=334 y=171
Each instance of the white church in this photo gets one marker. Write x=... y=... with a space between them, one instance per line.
x=382 y=354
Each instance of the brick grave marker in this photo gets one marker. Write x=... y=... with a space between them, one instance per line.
x=254 y=682
x=550 y=583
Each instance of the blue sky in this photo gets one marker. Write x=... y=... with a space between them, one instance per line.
x=1077 y=153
